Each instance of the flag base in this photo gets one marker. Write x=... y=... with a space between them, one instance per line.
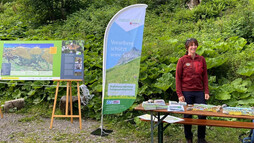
x=103 y=132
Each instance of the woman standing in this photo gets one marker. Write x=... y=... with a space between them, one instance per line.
x=192 y=84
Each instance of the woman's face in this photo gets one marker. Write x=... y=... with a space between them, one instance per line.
x=192 y=49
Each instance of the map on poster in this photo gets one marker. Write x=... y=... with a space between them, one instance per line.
x=41 y=60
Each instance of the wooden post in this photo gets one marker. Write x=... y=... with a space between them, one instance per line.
x=1 y=112
x=68 y=93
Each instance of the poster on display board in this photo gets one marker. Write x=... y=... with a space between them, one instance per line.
x=41 y=60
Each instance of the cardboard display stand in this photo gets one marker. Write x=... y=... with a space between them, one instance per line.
x=1 y=114
x=68 y=94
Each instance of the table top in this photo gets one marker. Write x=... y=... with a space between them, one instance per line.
x=203 y=113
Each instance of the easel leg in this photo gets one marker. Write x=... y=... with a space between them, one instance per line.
x=71 y=103
x=54 y=107
x=79 y=106
x=1 y=112
x=67 y=98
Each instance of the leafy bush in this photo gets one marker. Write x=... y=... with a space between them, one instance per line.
x=223 y=28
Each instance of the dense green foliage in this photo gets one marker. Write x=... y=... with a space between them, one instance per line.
x=224 y=29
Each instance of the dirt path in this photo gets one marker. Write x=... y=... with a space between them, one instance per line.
x=27 y=128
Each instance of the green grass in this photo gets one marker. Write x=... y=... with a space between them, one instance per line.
x=43 y=109
x=126 y=73
x=30 y=118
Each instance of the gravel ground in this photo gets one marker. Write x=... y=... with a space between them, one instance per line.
x=27 y=128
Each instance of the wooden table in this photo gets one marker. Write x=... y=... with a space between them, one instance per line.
x=162 y=114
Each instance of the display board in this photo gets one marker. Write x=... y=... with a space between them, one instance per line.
x=41 y=60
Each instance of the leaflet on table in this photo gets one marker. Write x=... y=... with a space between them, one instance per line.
x=238 y=111
x=159 y=101
x=153 y=106
x=168 y=119
x=175 y=108
x=177 y=103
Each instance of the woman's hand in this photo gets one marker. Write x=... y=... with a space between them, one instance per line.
x=207 y=96
x=181 y=99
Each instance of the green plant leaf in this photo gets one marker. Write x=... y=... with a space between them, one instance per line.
x=215 y=62
x=223 y=95
x=247 y=70
x=143 y=76
x=165 y=81
x=32 y=92
x=251 y=89
x=246 y=101
x=239 y=86
x=167 y=68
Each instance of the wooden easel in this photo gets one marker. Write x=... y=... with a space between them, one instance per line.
x=68 y=93
x=1 y=112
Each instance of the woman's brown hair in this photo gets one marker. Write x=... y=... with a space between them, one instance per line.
x=189 y=42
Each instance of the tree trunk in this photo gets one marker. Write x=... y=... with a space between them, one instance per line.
x=193 y=3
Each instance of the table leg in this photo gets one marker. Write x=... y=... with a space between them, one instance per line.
x=151 y=127
x=160 y=129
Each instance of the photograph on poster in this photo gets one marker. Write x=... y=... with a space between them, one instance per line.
x=78 y=66
x=72 y=47
x=78 y=60
x=78 y=73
